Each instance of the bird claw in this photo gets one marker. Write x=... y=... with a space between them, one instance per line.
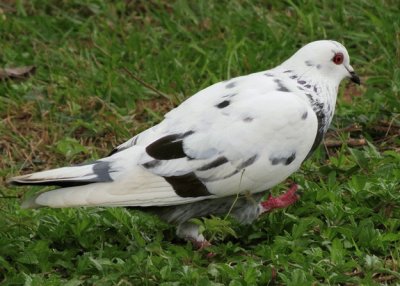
x=210 y=255
x=200 y=244
x=282 y=201
x=203 y=245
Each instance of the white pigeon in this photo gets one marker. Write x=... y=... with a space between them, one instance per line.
x=219 y=151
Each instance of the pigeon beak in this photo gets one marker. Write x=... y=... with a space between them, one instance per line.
x=353 y=76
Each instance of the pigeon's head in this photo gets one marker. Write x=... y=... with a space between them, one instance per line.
x=327 y=59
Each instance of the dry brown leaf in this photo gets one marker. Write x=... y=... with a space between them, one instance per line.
x=17 y=72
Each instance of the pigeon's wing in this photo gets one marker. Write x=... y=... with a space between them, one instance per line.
x=246 y=134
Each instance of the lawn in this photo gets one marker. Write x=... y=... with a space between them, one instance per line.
x=81 y=102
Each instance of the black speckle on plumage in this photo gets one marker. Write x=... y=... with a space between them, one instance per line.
x=290 y=159
x=281 y=86
x=248 y=119
x=223 y=104
x=230 y=95
x=308 y=63
x=282 y=160
x=152 y=164
x=304 y=115
x=231 y=84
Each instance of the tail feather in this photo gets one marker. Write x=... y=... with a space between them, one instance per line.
x=67 y=176
x=112 y=181
x=142 y=189
x=59 y=183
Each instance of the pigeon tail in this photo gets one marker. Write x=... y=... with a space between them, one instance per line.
x=67 y=176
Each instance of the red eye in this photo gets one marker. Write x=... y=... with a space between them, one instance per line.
x=338 y=58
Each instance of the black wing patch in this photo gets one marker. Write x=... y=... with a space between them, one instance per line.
x=168 y=147
x=247 y=163
x=217 y=162
x=188 y=185
x=239 y=168
x=171 y=147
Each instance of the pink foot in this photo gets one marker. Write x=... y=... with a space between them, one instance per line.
x=210 y=255
x=203 y=245
x=200 y=244
x=282 y=201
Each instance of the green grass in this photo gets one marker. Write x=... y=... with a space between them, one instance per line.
x=345 y=230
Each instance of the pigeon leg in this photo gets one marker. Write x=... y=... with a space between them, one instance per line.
x=190 y=231
x=282 y=201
